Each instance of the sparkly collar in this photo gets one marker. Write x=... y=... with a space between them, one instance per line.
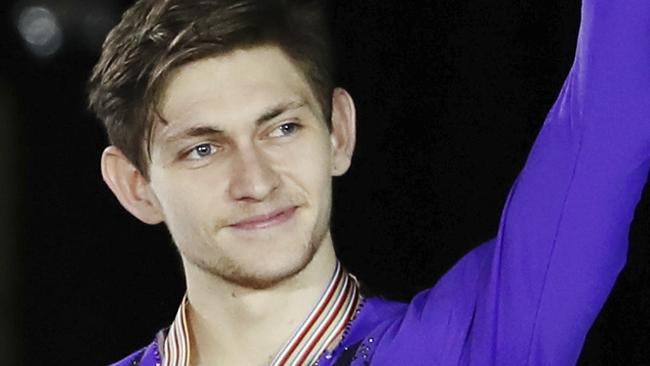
x=323 y=326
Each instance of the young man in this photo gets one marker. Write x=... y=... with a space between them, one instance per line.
x=225 y=126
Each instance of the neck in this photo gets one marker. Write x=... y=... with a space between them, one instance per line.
x=230 y=324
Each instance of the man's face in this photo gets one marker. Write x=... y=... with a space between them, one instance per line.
x=242 y=169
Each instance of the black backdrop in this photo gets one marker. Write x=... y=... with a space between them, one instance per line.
x=449 y=95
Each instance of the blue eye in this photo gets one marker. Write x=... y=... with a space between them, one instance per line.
x=285 y=130
x=288 y=128
x=202 y=151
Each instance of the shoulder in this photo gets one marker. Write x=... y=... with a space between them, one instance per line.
x=433 y=326
x=146 y=356
x=132 y=359
x=461 y=283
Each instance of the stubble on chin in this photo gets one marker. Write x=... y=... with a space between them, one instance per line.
x=232 y=270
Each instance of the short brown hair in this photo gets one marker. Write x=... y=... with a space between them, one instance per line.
x=155 y=37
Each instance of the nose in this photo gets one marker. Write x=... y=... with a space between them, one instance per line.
x=253 y=177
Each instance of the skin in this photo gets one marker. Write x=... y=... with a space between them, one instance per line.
x=241 y=174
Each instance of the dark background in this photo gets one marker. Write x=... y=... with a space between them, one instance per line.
x=450 y=97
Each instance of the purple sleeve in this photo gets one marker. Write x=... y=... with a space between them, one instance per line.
x=529 y=297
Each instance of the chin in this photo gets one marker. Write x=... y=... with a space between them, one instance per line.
x=266 y=276
x=258 y=268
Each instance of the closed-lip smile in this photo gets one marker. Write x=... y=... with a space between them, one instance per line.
x=263 y=221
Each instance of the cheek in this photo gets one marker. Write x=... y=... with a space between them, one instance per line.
x=188 y=200
x=310 y=165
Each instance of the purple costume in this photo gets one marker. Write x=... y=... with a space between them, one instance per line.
x=529 y=296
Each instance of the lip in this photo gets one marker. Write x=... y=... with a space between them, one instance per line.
x=264 y=221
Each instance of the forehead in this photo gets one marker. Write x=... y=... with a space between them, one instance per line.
x=231 y=86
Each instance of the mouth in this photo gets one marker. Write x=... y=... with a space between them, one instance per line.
x=274 y=218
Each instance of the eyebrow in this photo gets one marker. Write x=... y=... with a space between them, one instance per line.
x=267 y=115
x=278 y=109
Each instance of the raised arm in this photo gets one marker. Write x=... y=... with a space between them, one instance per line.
x=563 y=234
x=530 y=296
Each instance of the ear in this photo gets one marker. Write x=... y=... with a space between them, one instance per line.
x=343 y=134
x=130 y=187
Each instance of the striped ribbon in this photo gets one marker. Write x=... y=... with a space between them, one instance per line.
x=324 y=325
x=176 y=348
